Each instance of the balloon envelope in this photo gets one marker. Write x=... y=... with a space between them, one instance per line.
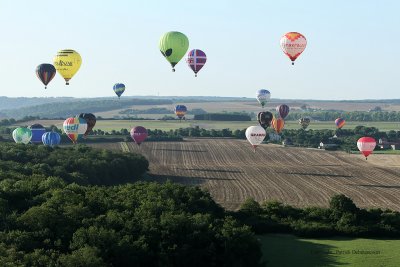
x=51 y=139
x=283 y=110
x=173 y=46
x=304 y=122
x=278 y=124
x=340 y=122
x=90 y=120
x=67 y=63
x=196 y=60
x=45 y=72
x=139 y=134
x=263 y=96
x=74 y=127
x=293 y=44
x=264 y=119
x=255 y=135
x=37 y=131
x=119 y=88
x=366 y=145
x=180 y=111
x=22 y=135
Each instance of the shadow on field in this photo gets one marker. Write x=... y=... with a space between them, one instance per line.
x=181 y=150
x=376 y=185
x=318 y=174
x=161 y=178
x=287 y=250
x=210 y=170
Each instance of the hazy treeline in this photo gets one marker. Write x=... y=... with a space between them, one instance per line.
x=348 y=116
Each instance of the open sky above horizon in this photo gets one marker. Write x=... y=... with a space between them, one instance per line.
x=351 y=51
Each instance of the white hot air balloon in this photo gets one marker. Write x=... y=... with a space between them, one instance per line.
x=293 y=44
x=263 y=96
x=255 y=135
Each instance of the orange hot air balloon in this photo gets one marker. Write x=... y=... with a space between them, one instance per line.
x=278 y=124
x=293 y=44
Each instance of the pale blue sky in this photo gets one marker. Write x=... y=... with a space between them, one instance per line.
x=352 y=50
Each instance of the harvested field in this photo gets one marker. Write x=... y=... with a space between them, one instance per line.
x=232 y=172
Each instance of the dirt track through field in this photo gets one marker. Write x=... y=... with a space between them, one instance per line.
x=232 y=172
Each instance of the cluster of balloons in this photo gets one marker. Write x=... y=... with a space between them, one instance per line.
x=35 y=134
x=174 y=45
x=67 y=63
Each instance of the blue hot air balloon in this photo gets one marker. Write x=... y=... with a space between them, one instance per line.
x=51 y=139
x=119 y=88
x=180 y=111
x=37 y=131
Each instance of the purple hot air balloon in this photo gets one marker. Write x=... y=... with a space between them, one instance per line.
x=139 y=134
x=196 y=60
x=283 y=110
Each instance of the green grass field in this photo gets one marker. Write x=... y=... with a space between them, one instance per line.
x=287 y=250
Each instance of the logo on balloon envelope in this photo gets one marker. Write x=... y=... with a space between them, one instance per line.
x=62 y=63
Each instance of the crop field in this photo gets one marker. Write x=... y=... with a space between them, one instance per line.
x=108 y=125
x=232 y=172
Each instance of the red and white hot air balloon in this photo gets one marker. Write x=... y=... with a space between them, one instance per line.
x=255 y=135
x=293 y=44
x=366 y=145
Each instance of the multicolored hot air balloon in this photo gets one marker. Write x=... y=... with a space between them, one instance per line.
x=278 y=124
x=180 y=111
x=45 y=72
x=263 y=96
x=74 y=127
x=173 y=46
x=340 y=122
x=90 y=120
x=293 y=44
x=37 y=131
x=22 y=135
x=119 y=88
x=283 y=110
x=264 y=119
x=255 y=135
x=67 y=63
x=51 y=139
x=366 y=145
x=304 y=122
x=139 y=134
x=196 y=60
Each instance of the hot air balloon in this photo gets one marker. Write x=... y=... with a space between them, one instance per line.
x=264 y=119
x=173 y=46
x=180 y=111
x=196 y=60
x=340 y=122
x=119 y=88
x=67 y=63
x=37 y=131
x=74 y=127
x=293 y=44
x=22 y=135
x=283 y=110
x=255 y=135
x=139 y=134
x=45 y=72
x=366 y=145
x=90 y=120
x=278 y=124
x=304 y=122
x=263 y=96
x=51 y=139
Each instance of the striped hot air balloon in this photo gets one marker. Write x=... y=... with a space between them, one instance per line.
x=282 y=110
x=196 y=60
x=278 y=124
x=180 y=111
x=45 y=72
x=119 y=89
x=74 y=127
x=340 y=122
x=51 y=139
x=366 y=145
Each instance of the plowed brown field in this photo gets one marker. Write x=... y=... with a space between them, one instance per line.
x=232 y=172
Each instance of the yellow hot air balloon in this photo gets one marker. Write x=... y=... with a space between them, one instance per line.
x=67 y=63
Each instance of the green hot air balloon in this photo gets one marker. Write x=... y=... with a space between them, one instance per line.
x=173 y=46
x=22 y=135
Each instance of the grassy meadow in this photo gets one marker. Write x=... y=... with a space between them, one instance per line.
x=287 y=250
